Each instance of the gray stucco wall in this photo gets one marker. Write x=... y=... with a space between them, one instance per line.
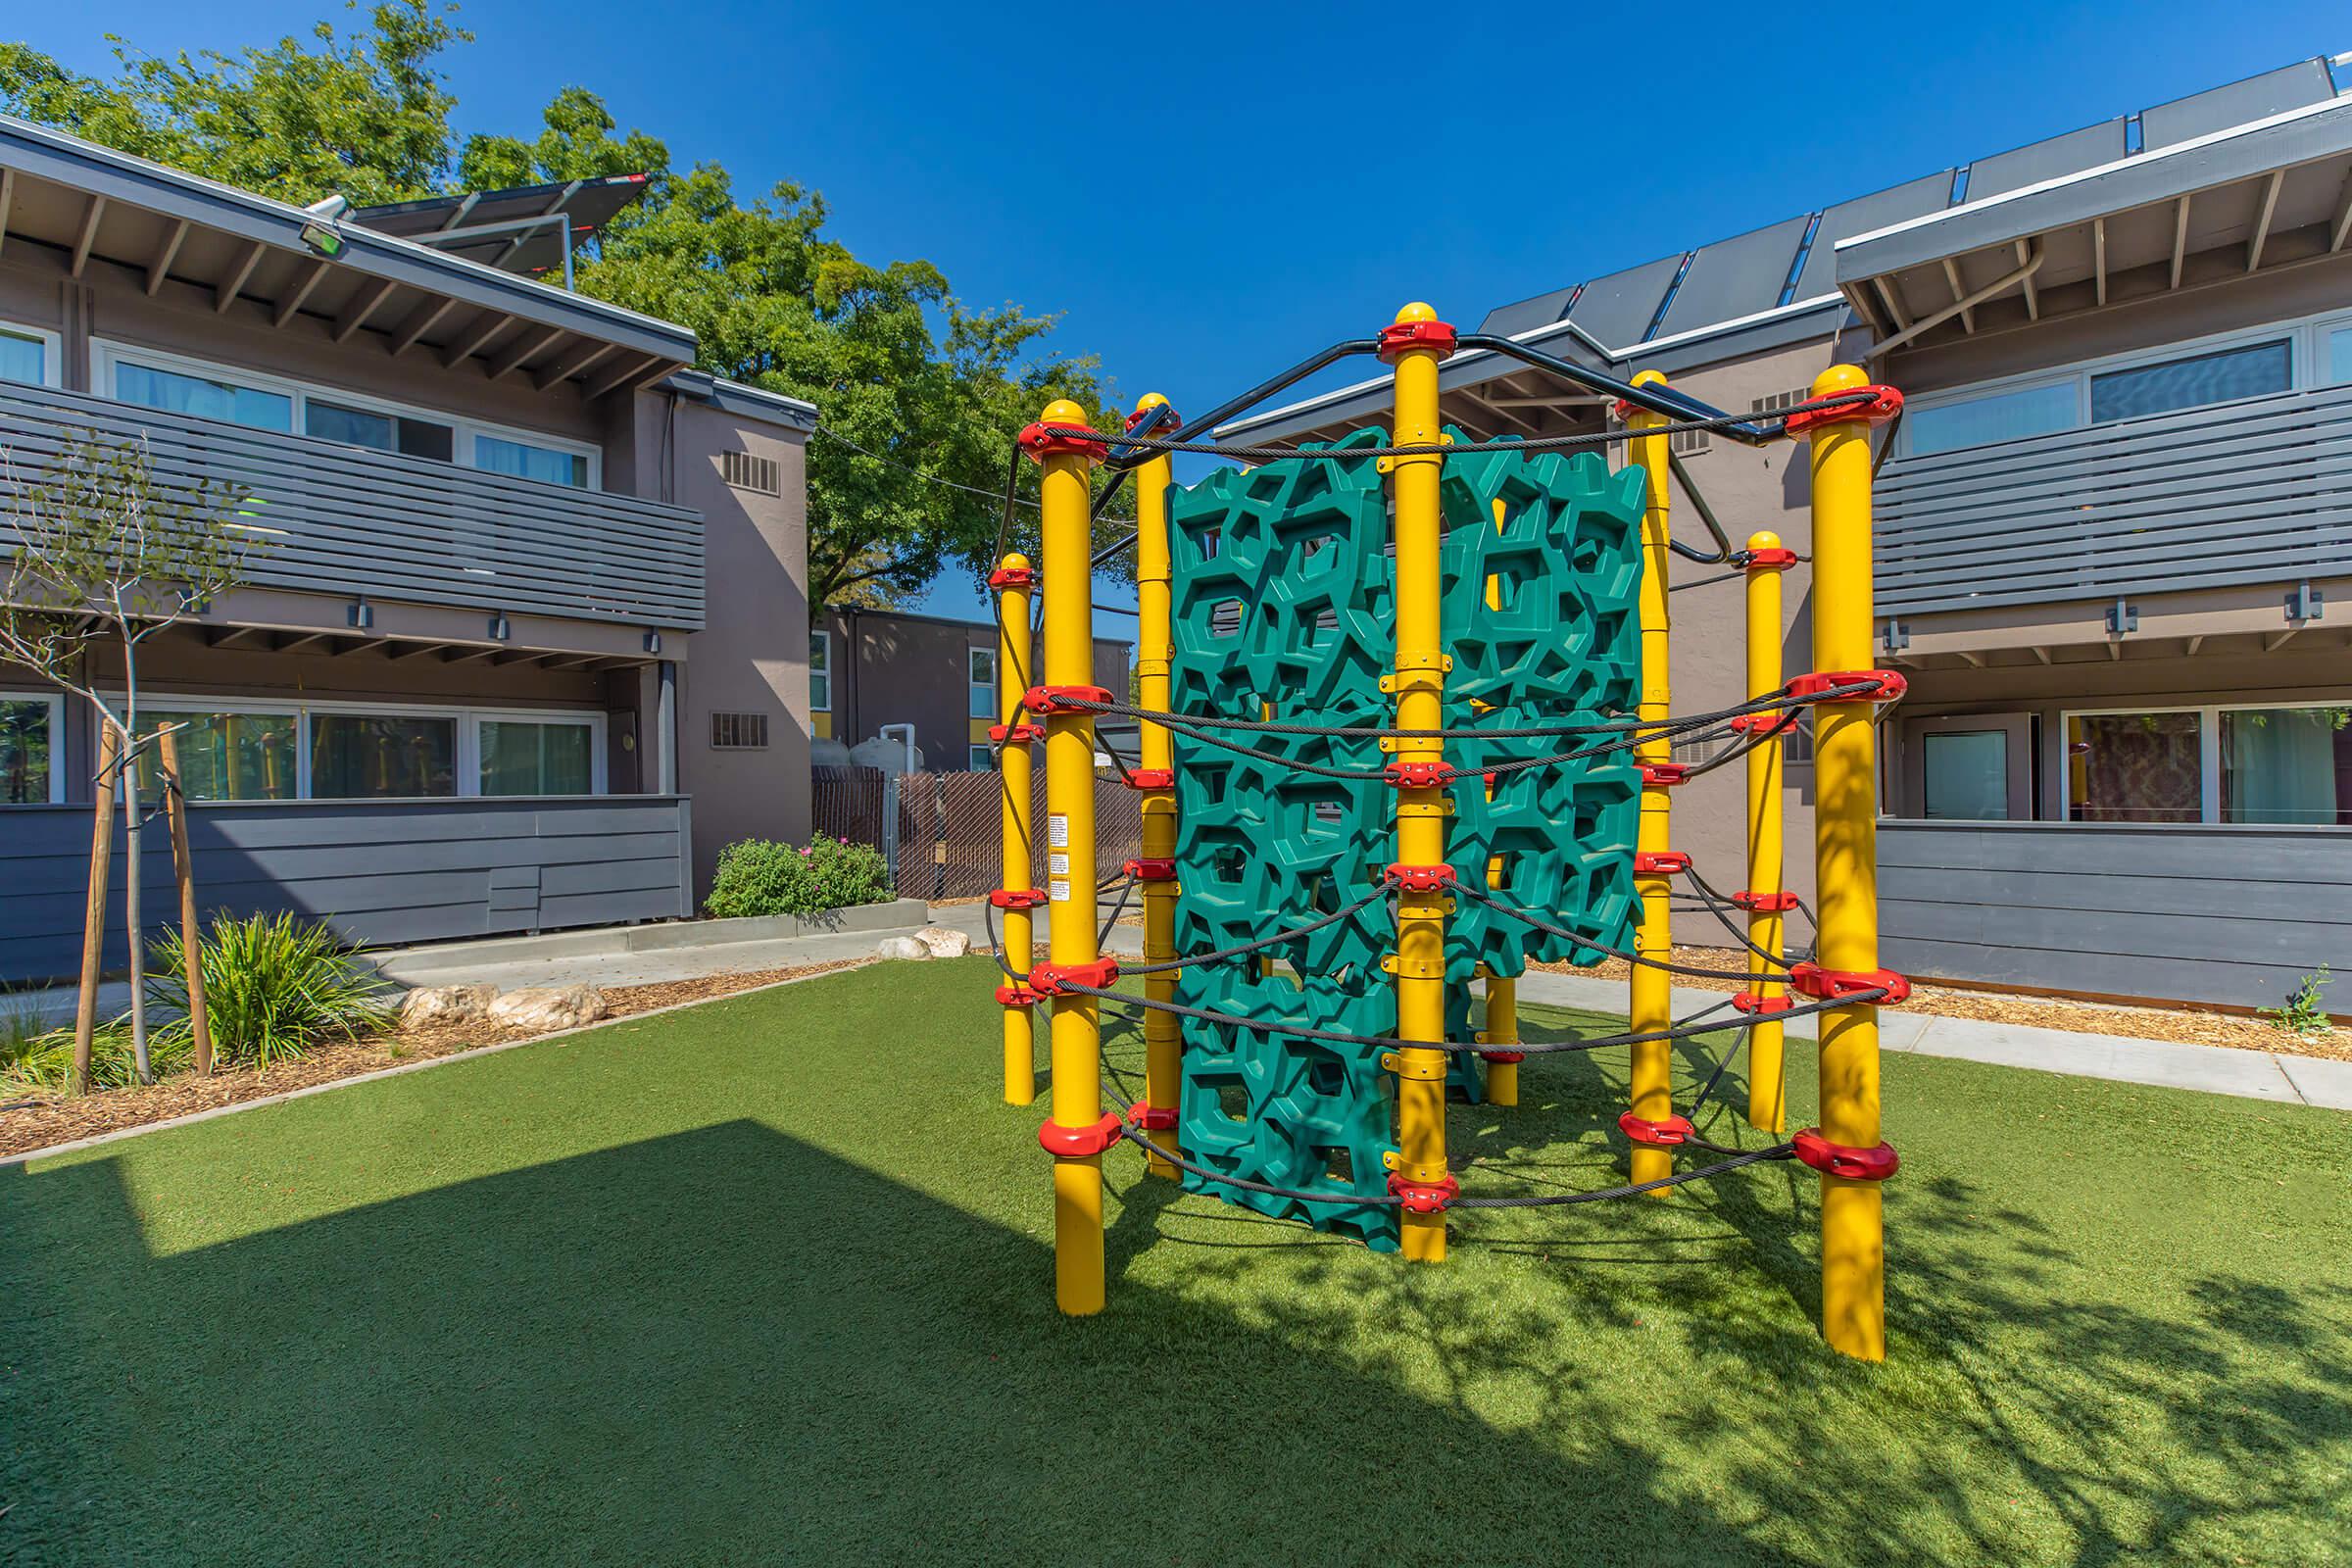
x=379 y=873
x=2229 y=914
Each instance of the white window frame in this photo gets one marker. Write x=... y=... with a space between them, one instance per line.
x=106 y=354
x=826 y=706
x=466 y=758
x=53 y=349
x=2307 y=369
x=971 y=652
x=55 y=702
x=2209 y=750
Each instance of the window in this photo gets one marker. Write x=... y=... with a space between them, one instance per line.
x=2338 y=347
x=381 y=756
x=2135 y=768
x=176 y=385
x=2286 y=764
x=1964 y=775
x=980 y=760
x=820 y=671
x=1999 y=416
x=225 y=755
x=981 y=668
x=526 y=460
x=30 y=771
x=2191 y=381
x=538 y=756
x=29 y=355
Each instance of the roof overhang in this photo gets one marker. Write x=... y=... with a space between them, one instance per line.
x=523 y=229
x=90 y=207
x=2269 y=194
x=742 y=401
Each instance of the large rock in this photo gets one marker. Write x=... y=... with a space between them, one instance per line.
x=900 y=947
x=435 y=1005
x=943 y=942
x=549 y=1007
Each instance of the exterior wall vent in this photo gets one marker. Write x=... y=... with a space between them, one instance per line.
x=739 y=732
x=1780 y=399
x=744 y=471
x=1687 y=443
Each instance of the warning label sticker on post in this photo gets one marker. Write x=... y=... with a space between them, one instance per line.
x=1058 y=831
x=1061 y=893
x=1059 y=865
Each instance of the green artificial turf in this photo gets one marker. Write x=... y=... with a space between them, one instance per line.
x=769 y=1280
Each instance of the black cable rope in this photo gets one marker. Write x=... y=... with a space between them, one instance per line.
x=1721 y=908
x=1528 y=918
x=1425 y=449
x=1117 y=910
x=1171 y=966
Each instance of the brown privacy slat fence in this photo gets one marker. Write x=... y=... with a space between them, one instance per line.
x=948 y=835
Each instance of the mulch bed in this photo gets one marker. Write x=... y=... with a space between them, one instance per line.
x=2183 y=1025
x=38 y=1121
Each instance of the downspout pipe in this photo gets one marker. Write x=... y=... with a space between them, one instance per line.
x=1969 y=302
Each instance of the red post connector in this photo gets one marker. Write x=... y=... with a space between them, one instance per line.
x=1048 y=979
x=1151 y=778
x=1425 y=1198
x=1140 y=414
x=1664 y=776
x=1043 y=441
x=1812 y=981
x=1146 y=1117
x=1772 y=559
x=1017 y=997
x=1151 y=868
x=1015 y=734
x=1080 y=1142
x=1503 y=1059
x=1018 y=898
x=1885 y=404
x=1063 y=700
x=1005 y=577
x=1843 y=1161
x=1757 y=724
x=1418 y=878
x=1883 y=685
x=1749 y=1003
x=1764 y=903
x=1660 y=1133
x=1420 y=775
x=1665 y=863
x=1398 y=337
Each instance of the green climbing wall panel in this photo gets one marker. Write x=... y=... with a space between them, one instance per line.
x=1284 y=598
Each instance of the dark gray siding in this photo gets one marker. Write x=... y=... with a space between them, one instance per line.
x=2229 y=914
x=381 y=872
x=342 y=520
x=2252 y=491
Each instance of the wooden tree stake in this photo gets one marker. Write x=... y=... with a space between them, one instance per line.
x=93 y=919
x=183 y=864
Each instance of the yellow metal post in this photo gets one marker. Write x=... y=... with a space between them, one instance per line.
x=1153 y=587
x=1419 y=685
x=1853 y=1259
x=1503 y=990
x=1070 y=873
x=1012 y=581
x=1766 y=1088
x=1652 y=1003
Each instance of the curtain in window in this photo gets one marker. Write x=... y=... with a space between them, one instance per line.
x=382 y=755
x=2191 y=383
x=204 y=397
x=23 y=358
x=528 y=759
x=2135 y=768
x=2286 y=764
x=2001 y=417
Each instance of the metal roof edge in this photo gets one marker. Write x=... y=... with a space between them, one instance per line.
x=744 y=401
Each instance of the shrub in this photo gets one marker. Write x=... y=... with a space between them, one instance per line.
x=760 y=876
x=43 y=1062
x=274 y=986
x=2306 y=1010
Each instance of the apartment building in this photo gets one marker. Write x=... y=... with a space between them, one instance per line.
x=524 y=642
x=931 y=680
x=2113 y=547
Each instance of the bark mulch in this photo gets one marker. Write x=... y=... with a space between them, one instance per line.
x=37 y=1121
x=2184 y=1025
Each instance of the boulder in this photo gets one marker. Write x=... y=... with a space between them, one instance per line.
x=900 y=947
x=434 y=1004
x=943 y=942
x=549 y=1007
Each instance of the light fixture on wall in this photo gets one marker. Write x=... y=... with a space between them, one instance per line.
x=321 y=233
x=653 y=642
x=361 y=613
x=500 y=629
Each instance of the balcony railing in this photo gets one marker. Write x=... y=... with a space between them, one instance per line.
x=2255 y=491
x=347 y=520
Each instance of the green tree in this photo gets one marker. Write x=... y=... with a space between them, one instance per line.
x=919 y=394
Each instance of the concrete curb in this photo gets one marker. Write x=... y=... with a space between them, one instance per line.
x=669 y=936
x=214 y=1112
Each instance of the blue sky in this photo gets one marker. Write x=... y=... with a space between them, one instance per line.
x=1205 y=199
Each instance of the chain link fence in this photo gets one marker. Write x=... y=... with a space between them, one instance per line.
x=943 y=833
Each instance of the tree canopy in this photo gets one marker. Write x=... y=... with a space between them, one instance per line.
x=919 y=394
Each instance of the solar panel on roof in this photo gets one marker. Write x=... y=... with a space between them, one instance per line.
x=1525 y=316
x=1618 y=308
x=1912 y=198
x=2070 y=154
x=2273 y=92
x=1735 y=278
